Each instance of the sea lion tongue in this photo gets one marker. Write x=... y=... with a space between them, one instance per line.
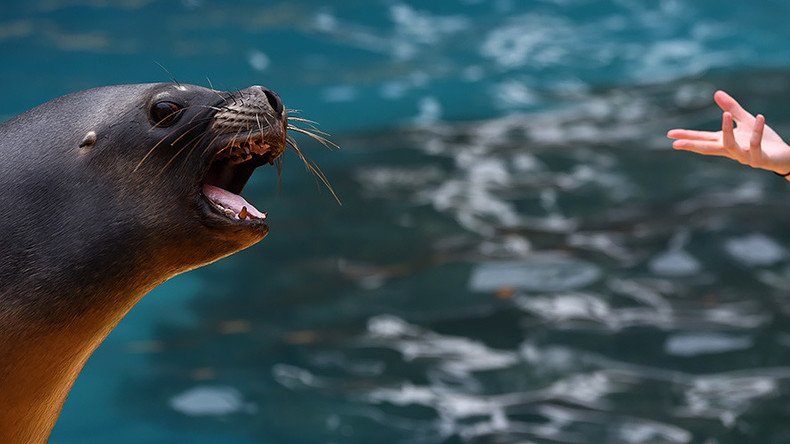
x=232 y=202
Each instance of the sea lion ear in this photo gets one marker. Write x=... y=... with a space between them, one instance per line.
x=89 y=140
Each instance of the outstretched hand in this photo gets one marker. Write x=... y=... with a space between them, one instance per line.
x=751 y=142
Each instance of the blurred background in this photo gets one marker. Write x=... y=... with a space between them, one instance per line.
x=520 y=257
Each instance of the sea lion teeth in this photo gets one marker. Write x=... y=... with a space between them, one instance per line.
x=243 y=213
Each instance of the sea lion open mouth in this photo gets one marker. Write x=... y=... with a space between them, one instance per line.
x=251 y=132
x=231 y=168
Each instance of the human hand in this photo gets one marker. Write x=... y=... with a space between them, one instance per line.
x=751 y=143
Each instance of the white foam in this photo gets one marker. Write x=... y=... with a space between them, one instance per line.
x=457 y=355
x=340 y=93
x=543 y=272
x=209 y=401
x=695 y=344
x=675 y=263
x=755 y=250
x=258 y=60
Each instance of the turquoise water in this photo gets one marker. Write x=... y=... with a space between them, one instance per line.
x=519 y=256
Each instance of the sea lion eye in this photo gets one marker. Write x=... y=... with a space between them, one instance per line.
x=165 y=113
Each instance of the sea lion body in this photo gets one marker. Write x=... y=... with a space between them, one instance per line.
x=105 y=196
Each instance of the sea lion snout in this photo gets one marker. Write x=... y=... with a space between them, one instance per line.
x=254 y=108
x=272 y=98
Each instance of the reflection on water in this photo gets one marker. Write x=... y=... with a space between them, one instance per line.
x=551 y=278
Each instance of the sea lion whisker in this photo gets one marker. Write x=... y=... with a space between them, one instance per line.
x=180 y=150
x=300 y=119
x=279 y=160
x=211 y=144
x=260 y=129
x=314 y=168
x=195 y=141
x=204 y=118
x=250 y=132
x=194 y=144
x=310 y=125
x=148 y=154
x=247 y=141
x=197 y=137
x=230 y=145
x=323 y=140
x=266 y=118
x=180 y=110
x=279 y=165
x=172 y=77
x=156 y=125
x=187 y=131
x=312 y=129
x=258 y=121
x=225 y=95
x=211 y=87
x=215 y=108
x=218 y=108
x=224 y=99
x=172 y=158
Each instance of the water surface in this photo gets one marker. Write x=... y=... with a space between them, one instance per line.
x=519 y=256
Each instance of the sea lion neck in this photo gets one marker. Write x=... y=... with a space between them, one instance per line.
x=49 y=329
x=41 y=362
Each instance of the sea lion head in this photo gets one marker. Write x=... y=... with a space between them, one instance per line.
x=153 y=171
x=200 y=148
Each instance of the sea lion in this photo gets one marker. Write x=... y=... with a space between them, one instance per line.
x=107 y=193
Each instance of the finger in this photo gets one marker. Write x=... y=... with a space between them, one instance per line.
x=757 y=132
x=693 y=135
x=701 y=147
x=728 y=104
x=727 y=133
x=755 y=143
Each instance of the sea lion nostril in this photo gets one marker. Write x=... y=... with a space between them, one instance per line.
x=274 y=100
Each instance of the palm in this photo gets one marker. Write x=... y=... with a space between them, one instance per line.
x=751 y=142
x=773 y=152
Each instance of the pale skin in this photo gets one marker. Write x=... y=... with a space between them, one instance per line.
x=743 y=137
